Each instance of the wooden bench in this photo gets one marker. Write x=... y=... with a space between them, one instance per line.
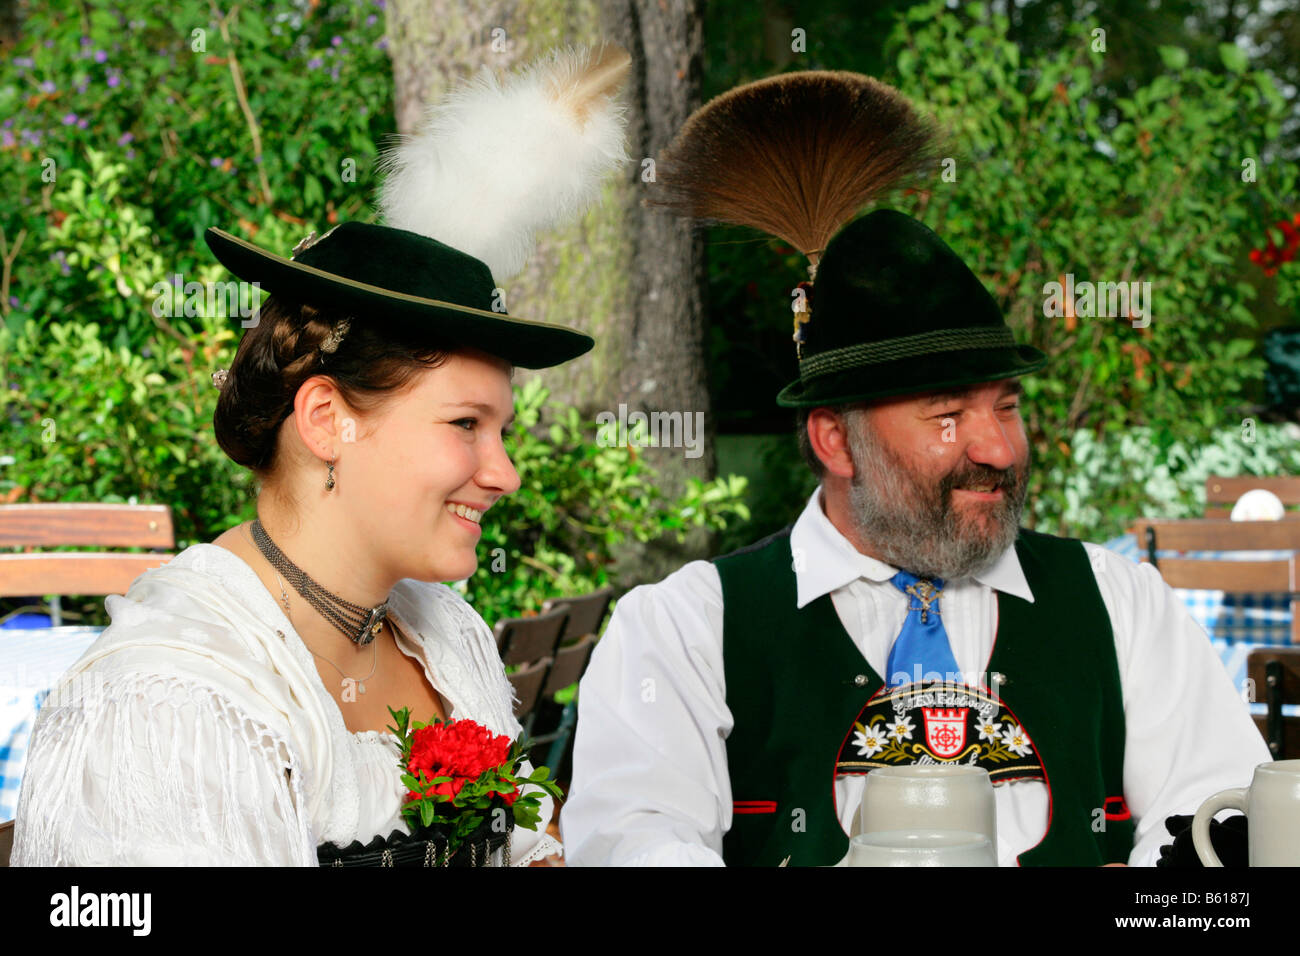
x=1222 y=492
x=1222 y=574
x=55 y=524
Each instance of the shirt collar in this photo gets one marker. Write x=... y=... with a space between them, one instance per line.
x=825 y=561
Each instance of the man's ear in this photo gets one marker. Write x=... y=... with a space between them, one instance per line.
x=829 y=437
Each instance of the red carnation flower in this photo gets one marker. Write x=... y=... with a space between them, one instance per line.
x=462 y=750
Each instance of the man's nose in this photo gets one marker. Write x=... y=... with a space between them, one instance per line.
x=990 y=441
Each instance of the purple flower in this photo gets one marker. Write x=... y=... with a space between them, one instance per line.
x=83 y=123
x=100 y=56
x=13 y=300
x=370 y=20
x=8 y=140
x=382 y=43
x=334 y=73
x=335 y=41
x=24 y=62
x=114 y=79
x=61 y=258
x=130 y=154
x=314 y=63
x=214 y=162
x=48 y=86
x=81 y=87
x=30 y=136
x=7 y=123
x=125 y=138
x=69 y=119
x=85 y=41
x=49 y=44
x=379 y=4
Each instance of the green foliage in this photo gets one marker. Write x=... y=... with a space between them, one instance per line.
x=129 y=121
x=776 y=497
x=576 y=503
x=86 y=421
x=1106 y=484
x=1046 y=186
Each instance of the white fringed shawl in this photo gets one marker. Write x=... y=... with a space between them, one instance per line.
x=192 y=733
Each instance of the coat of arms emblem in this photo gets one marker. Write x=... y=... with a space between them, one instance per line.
x=945 y=730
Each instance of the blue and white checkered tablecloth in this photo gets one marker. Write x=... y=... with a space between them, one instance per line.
x=31 y=661
x=1236 y=623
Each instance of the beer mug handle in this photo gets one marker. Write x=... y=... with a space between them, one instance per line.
x=1223 y=800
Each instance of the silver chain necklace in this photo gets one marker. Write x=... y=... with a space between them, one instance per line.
x=359 y=624
x=374 y=653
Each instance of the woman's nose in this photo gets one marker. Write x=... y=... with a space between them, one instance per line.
x=498 y=471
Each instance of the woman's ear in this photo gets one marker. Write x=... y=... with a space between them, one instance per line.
x=322 y=418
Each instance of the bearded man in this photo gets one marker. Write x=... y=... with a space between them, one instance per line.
x=732 y=711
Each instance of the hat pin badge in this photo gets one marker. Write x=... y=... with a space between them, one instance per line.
x=309 y=240
x=306 y=242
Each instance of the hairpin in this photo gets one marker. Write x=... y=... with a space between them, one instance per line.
x=331 y=342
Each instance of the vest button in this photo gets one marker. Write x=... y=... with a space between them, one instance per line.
x=860 y=680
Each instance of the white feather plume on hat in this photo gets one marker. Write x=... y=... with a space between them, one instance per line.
x=498 y=160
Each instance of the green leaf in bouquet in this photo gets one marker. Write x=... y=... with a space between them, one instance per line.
x=526 y=816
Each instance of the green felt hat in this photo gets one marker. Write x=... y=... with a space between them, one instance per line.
x=410 y=283
x=894 y=311
x=890 y=309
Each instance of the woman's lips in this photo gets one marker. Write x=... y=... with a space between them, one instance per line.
x=468 y=523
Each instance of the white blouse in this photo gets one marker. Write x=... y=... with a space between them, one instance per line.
x=196 y=729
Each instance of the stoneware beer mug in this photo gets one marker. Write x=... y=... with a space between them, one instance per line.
x=924 y=797
x=921 y=848
x=1272 y=807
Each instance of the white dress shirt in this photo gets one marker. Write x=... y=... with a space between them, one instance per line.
x=650 y=782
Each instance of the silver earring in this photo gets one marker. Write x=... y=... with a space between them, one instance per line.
x=329 y=481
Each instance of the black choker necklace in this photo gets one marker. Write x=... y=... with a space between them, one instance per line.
x=360 y=624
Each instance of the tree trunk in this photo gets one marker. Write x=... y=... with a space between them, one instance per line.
x=631 y=277
x=10 y=26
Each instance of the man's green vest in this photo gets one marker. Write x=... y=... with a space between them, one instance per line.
x=796 y=682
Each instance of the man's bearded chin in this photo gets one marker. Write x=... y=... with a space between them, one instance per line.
x=913 y=525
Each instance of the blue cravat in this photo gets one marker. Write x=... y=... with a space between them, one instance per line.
x=922 y=645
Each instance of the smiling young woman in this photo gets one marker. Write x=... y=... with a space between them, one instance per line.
x=246 y=684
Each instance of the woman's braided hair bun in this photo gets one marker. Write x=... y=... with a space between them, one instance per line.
x=283 y=350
